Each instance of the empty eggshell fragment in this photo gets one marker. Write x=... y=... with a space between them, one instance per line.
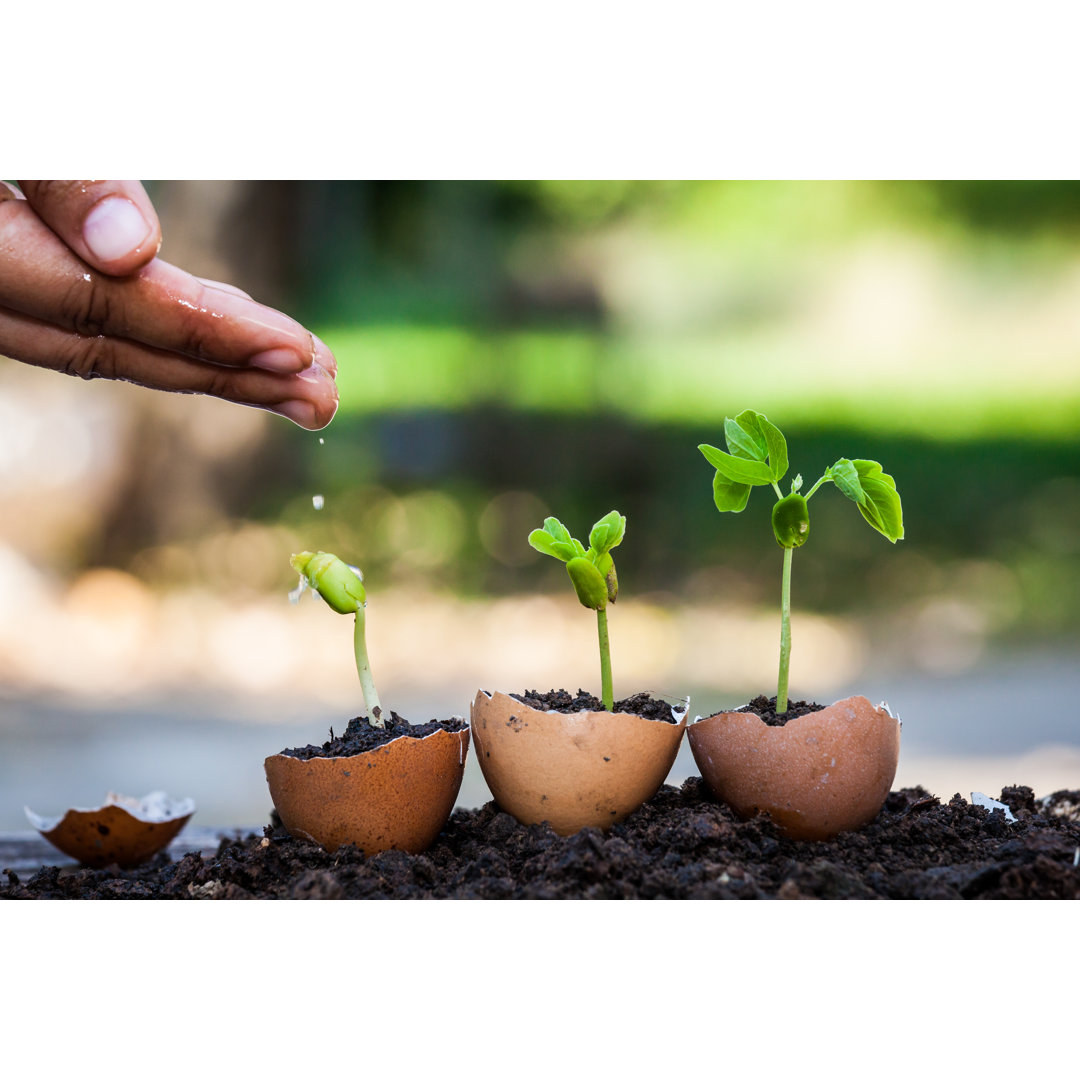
x=398 y=795
x=818 y=775
x=570 y=769
x=123 y=830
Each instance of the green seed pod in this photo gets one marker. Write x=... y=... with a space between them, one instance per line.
x=592 y=589
x=791 y=521
x=336 y=582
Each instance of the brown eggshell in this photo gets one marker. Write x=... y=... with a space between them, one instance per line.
x=816 y=776
x=396 y=796
x=124 y=830
x=570 y=769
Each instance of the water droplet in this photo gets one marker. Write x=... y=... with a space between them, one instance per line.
x=318 y=501
x=322 y=442
x=295 y=594
x=357 y=571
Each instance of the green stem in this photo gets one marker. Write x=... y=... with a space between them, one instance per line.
x=363 y=669
x=816 y=486
x=607 y=694
x=785 y=635
x=776 y=488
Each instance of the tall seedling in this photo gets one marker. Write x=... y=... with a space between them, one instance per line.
x=757 y=456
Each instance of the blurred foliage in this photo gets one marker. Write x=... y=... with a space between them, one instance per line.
x=512 y=349
x=465 y=252
x=447 y=501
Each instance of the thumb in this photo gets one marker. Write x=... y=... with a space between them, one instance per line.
x=110 y=224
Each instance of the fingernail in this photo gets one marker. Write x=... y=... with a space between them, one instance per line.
x=315 y=375
x=115 y=228
x=280 y=361
x=323 y=355
x=299 y=412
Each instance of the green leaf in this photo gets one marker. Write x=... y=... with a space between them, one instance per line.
x=547 y=545
x=846 y=477
x=882 y=508
x=589 y=583
x=777 y=445
x=741 y=470
x=744 y=437
x=608 y=532
x=750 y=435
x=728 y=495
x=557 y=530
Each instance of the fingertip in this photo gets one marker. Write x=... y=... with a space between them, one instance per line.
x=323 y=356
x=307 y=414
x=118 y=236
x=315 y=398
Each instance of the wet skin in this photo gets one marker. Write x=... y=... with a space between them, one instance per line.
x=83 y=292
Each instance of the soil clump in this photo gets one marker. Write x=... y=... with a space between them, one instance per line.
x=765 y=707
x=682 y=844
x=360 y=736
x=644 y=704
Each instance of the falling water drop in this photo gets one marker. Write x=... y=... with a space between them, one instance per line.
x=295 y=594
x=318 y=501
x=322 y=442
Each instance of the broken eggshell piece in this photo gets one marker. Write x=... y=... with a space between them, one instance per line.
x=816 y=776
x=398 y=795
x=123 y=830
x=571 y=769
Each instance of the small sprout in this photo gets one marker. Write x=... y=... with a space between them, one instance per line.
x=592 y=573
x=342 y=587
x=757 y=457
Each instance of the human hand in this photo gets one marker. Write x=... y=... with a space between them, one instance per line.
x=82 y=292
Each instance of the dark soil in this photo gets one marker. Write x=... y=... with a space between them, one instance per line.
x=360 y=736
x=651 y=708
x=681 y=844
x=765 y=707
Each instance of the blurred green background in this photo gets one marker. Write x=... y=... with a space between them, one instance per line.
x=511 y=349
x=575 y=341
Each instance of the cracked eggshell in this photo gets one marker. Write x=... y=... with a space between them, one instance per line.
x=816 y=776
x=123 y=830
x=398 y=795
x=570 y=769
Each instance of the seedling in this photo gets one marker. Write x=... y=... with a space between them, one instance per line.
x=758 y=457
x=342 y=587
x=592 y=572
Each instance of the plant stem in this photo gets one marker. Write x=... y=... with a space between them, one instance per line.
x=607 y=694
x=363 y=669
x=785 y=635
x=816 y=486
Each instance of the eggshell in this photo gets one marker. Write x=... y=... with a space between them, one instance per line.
x=818 y=775
x=398 y=795
x=124 y=830
x=570 y=769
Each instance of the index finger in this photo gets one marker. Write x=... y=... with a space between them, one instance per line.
x=110 y=224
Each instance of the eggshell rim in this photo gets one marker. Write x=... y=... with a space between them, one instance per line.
x=46 y=825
